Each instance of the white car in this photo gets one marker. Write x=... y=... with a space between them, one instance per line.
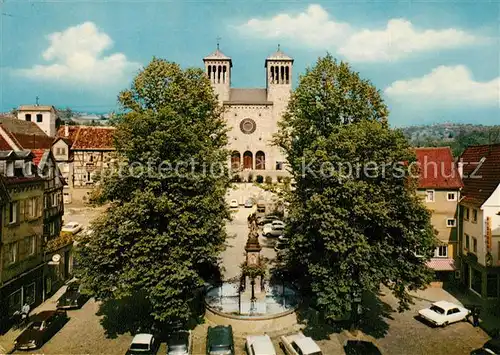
x=443 y=313
x=299 y=344
x=179 y=343
x=233 y=204
x=72 y=227
x=278 y=223
x=271 y=230
x=142 y=344
x=259 y=345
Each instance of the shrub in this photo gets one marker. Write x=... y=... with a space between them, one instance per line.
x=269 y=180
x=260 y=179
x=250 y=177
x=279 y=178
x=236 y=178
x=287 y=180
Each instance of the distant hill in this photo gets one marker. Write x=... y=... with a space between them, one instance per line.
x=457 y=136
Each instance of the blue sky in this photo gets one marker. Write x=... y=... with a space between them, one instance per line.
x=433 y=61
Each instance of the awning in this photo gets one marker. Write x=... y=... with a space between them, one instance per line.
x=441 y=264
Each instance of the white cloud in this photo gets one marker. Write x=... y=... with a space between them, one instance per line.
x=315 y=28
x=76 y=56
x=446 y=85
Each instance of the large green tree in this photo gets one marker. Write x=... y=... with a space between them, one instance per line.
x=165 y=225
x=356 y=222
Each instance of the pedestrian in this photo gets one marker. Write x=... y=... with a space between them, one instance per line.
x=475 y=317
x=25 y=310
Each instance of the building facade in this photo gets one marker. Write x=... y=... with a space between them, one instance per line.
x=479 y=248
x=82 y=152
x=253 y=114
x=440 y=185
x=21 y=246
x=45 y=117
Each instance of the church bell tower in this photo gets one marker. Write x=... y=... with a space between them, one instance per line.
x=218 y=69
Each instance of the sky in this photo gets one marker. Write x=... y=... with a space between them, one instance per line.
x=433 y=61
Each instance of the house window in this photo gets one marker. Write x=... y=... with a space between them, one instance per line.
x=467 y=242
x=279 y=165
x=474 y=216
x=14 y=302
x=39 y=117
x=466 y=213
x=28 y=117
x=91 y=158
x=441 y=251
x=474 y=245
x=451 y=196
x=29 y=294
x=13 y=212
x=88 y=177
x=10 y=253
x=451 y=222
x=429 y=196
x=31 y=245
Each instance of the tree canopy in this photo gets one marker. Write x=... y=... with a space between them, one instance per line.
x=165 y=226
x=356 y=222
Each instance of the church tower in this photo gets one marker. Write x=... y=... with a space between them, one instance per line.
x=218 y=69
x=278 y=80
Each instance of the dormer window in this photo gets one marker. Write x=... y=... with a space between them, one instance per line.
x=39 y=117
x=10 y=168
x=28 y=117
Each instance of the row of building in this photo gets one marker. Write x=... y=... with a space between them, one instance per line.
x=464 y=197
x=40 y=167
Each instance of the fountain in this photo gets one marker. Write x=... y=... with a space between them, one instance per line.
x=252 y=297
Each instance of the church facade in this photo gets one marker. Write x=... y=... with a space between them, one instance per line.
x=253 y=114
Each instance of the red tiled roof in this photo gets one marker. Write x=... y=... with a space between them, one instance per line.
x=4 y=145
x=38 y=154
x=72 y=131
x=481 y=183
x=437 y=169
x=26 y=135
x=441 y=264
x=89 y=137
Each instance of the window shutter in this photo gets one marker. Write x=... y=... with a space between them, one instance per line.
x=21 y=211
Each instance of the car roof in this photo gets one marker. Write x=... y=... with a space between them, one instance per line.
x=178 y=338
x=307 y=345
x=445 y=305
x=262 y=344
x=142 y=339
x=220 y=335
x=40 y=317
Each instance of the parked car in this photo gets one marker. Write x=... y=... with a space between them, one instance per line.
x=278 y=223
x=220 y=340
x=73 y=297
x=261 y=206
x=233 y=204
x=249 y=203
x=299 y=344
x=143 y=344
x=271 y=230
x=361 y=347
x=72 y=227
x=442 y=313
x=491 y=347
x=259 y=345
x=179 y=343
x=267 y=219
x=43 y=326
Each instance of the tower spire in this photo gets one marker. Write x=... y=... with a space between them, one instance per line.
x=218 y=41
x=278 y=47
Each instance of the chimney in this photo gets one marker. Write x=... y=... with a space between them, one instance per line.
x=66 y=130
x=461 y=168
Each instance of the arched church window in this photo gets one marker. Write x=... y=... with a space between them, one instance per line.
x=210 y=72
x=219 y=72
x=248 y=160
x=282 y=74
x=260 y=160
x=287 y=75
x=235 y=160
x=277 y=73
x=224 y=74
x=272 y=75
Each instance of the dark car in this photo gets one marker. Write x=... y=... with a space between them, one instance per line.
x=72 y=298
x=42 y=327
x=491 y=347
x=360 y=347
x=220 y=340
x=179 y=343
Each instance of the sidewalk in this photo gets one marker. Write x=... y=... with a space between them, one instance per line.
x=488 y=321
x=7 y=340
